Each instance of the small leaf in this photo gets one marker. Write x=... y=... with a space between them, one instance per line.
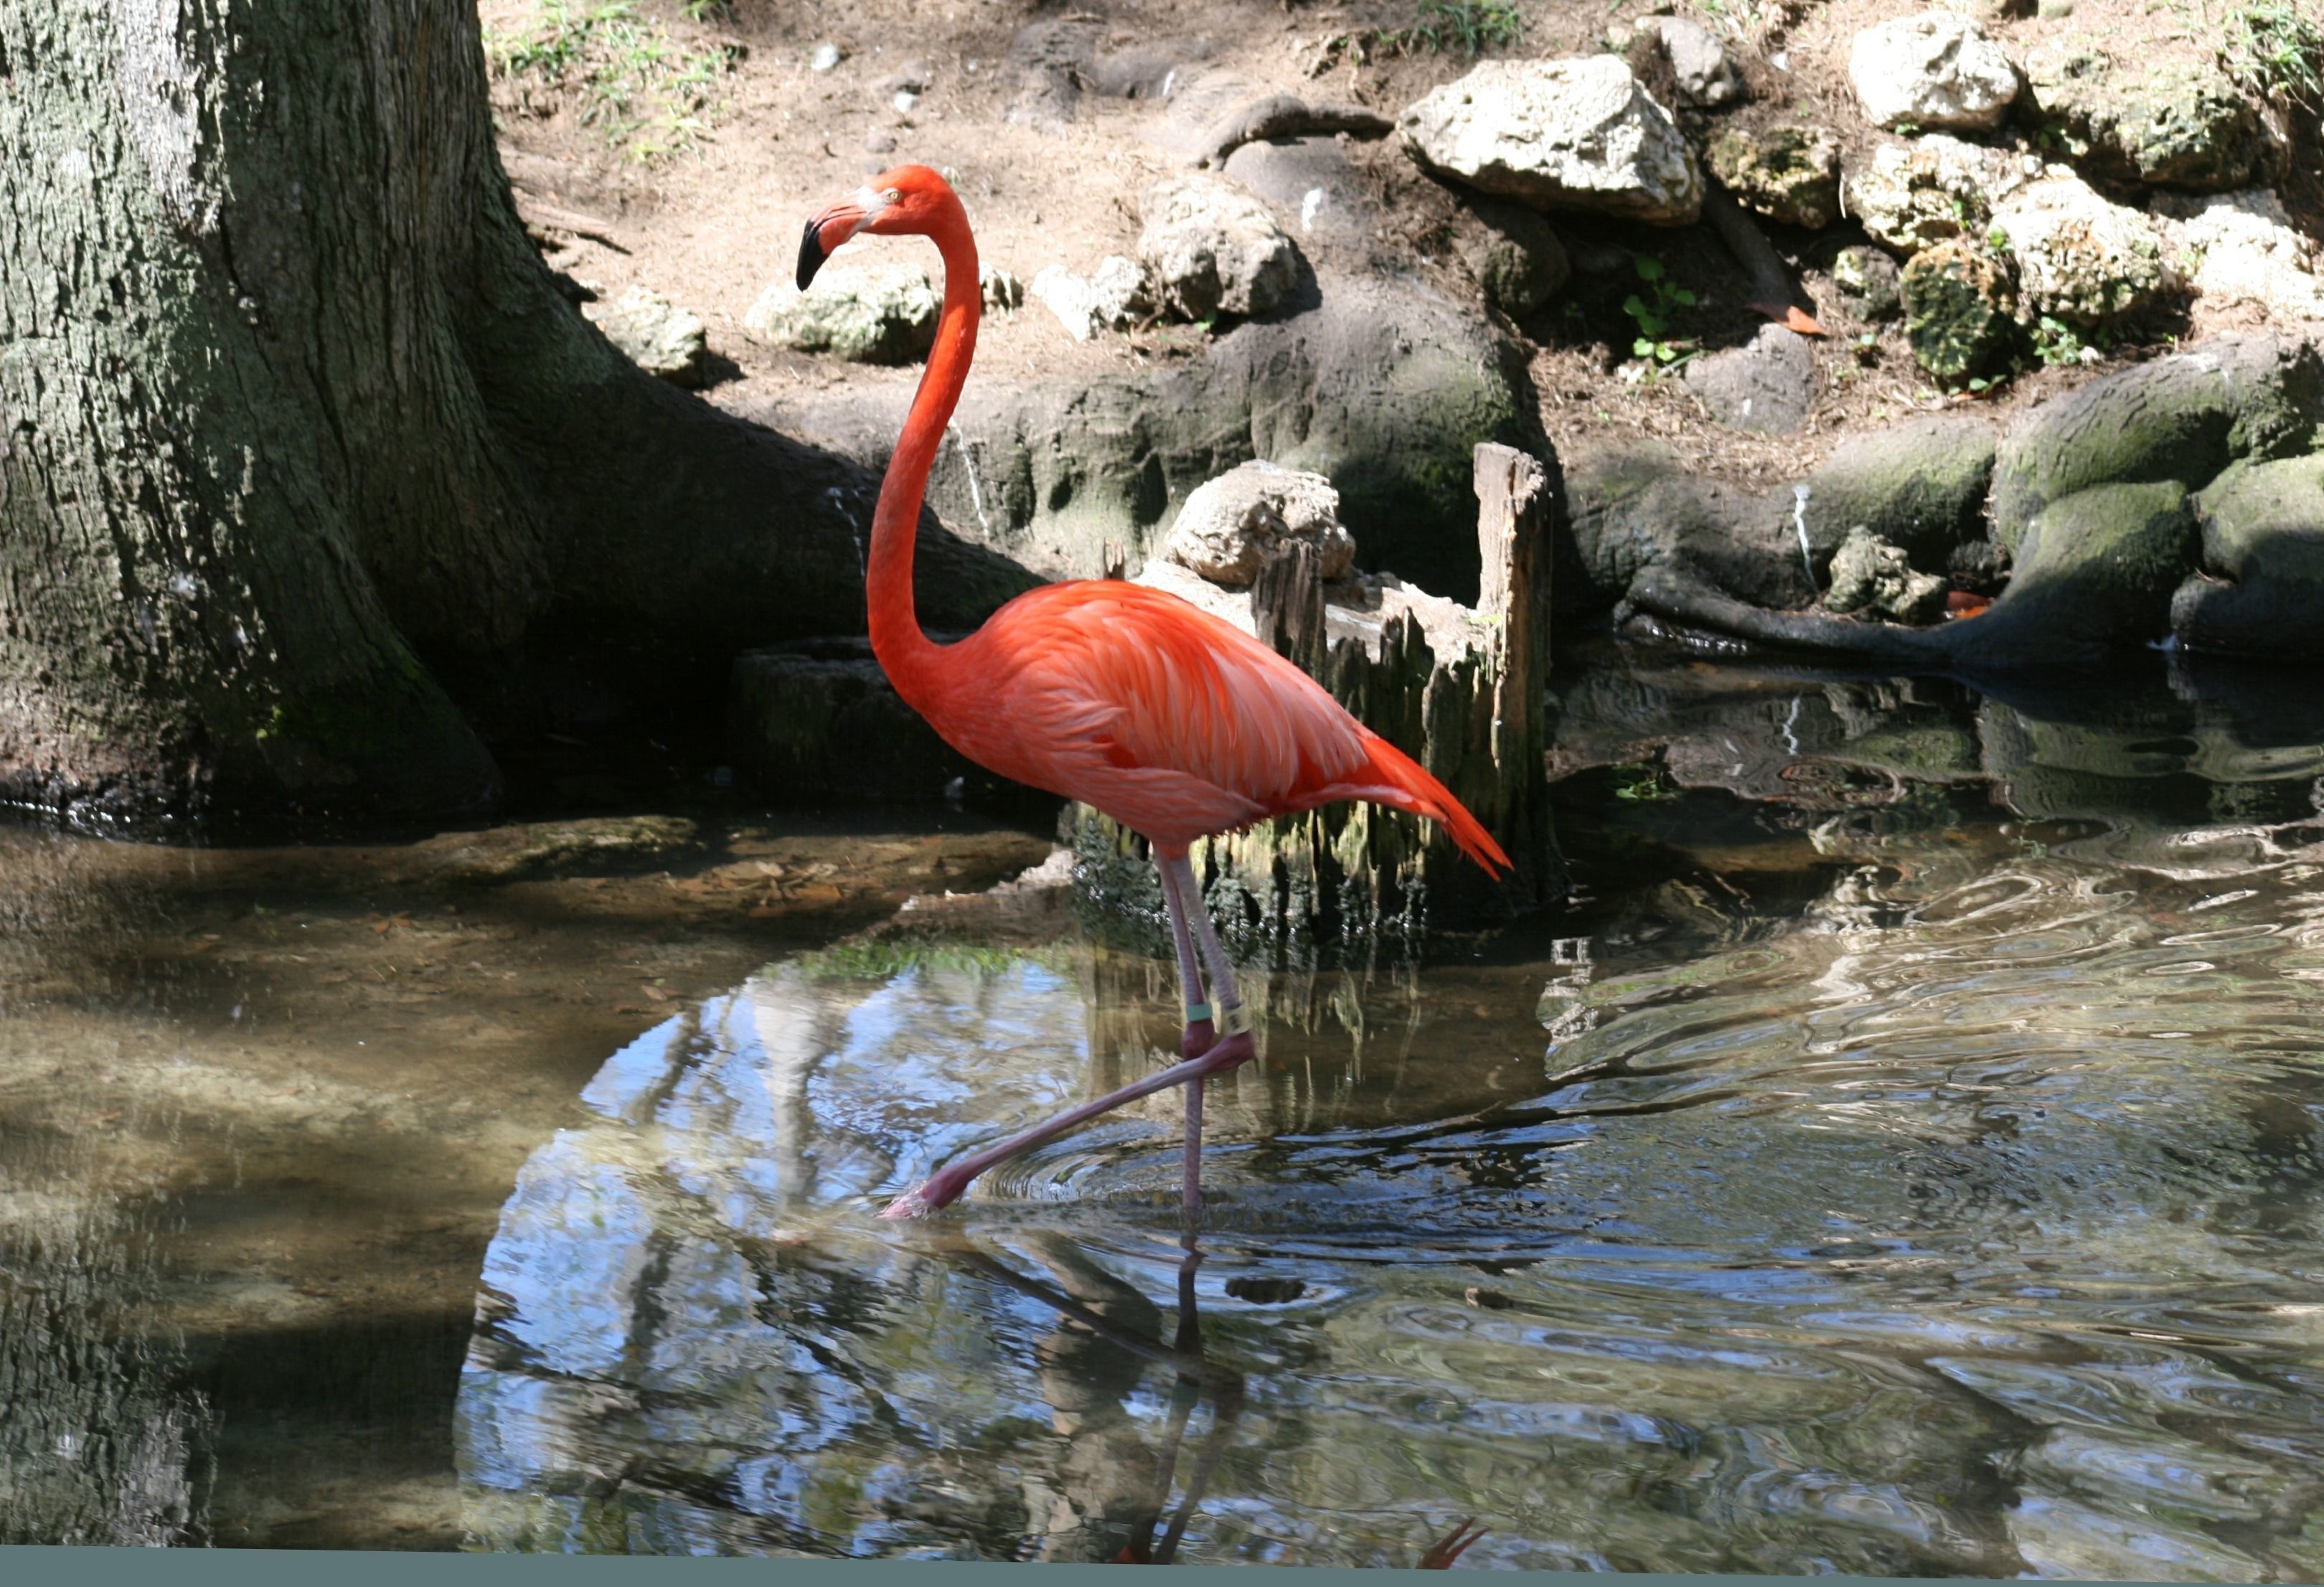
x=1680 y=295
x=1642 y=348
x=1650 y=267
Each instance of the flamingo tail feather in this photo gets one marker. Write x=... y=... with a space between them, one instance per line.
x=1422 y=795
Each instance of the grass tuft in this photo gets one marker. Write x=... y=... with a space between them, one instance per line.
x=651 y=96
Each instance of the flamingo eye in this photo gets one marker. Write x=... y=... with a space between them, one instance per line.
x=890 y=196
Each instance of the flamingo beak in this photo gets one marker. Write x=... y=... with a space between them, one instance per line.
x=834 y=227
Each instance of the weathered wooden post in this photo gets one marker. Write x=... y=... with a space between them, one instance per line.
x=1463 y=691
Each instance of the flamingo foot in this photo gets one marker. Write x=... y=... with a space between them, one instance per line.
x=941 y=1189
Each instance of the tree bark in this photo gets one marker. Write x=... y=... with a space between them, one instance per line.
x=310 y=481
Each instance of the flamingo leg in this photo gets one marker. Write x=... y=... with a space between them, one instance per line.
x=943 y=1188
x=1201 y=1034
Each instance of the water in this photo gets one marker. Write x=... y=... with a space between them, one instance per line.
x=1901 y=1159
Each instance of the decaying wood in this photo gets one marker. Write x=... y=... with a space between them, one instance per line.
x=1467 y=700
x=1287 y=116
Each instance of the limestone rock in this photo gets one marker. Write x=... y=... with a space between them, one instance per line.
x=1116 y=295
x=1515 y=258
x=1871 y=576
x=1869 y=281
x=2176 y=124
x=1789 y=174
x=1938 y=69
x=1209 y=248
x=1913 y=196
x=2078 y=256
x=1766 y=385
x=864 y=313
x=1958 y=307
x=1311 y=178
x=1232 y=524
x=654 y=333
x=1706 y=79
x=1559 y=134
x=2241 y=248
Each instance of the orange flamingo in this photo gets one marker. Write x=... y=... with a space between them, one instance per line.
x=1175 y=724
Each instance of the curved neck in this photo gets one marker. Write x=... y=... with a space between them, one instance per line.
x=904 y=651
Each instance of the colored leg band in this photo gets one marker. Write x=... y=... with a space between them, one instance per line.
x=1195 y=1011
x=1234 y=1019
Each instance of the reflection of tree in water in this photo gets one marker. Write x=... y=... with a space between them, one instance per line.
x=96 y=1446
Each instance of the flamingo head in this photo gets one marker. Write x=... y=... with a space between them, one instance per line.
x=909 y=199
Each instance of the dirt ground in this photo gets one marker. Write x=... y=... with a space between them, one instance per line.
x=711 y=225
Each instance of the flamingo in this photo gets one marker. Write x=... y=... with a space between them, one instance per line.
x=1175 y=724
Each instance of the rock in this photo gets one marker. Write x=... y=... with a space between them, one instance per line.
x=2241 y=248
x=1635 y=509
x=1788 y=174
x=2100 y=567
x=1960 y=304
x=2078 y=256
x=1933 y=190
x=1311 y=178
x=1705 y=78
x=1869 y=281
x=1938 y=69
x=2182 y=417
x=1515 y=258
x=1210 y=248
x=2177 y=124
x=1767 y=384
x=1919 y=486
x=2260 y=589
x=1001 y=290
x=609 y=845
x=1231 y=526
x=654 y=333
x=1870 y=575
x=1115 y=296
x=1559 y=134
x=863 y=313
x=825 y=58
x=803 y=725
x=1384 y=387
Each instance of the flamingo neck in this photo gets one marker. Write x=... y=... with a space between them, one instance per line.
x=905 y=651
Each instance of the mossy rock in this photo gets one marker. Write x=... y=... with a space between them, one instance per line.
x=1869 y=279
x=1960 y=303
x=1919 y=486
x=2182 y=418
x=1517 y=258
x=2260 y=591
x=1790 y=174
x=2101 y=566
x=2178 y=125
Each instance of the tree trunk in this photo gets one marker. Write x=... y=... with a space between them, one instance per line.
x=310 y=481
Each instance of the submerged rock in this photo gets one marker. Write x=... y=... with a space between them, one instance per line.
x=1872 y=576
x=1789 y=174
x=1231 y=525
x=864 y=313
x=2078 y=256
x=1209 y=248
x=1559 y=134
x=1958 y=310
x=1938 y=69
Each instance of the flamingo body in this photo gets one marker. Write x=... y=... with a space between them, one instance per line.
x=1173 y=722
x=1176 y=724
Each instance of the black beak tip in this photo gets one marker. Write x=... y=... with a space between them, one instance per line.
x=811 y=255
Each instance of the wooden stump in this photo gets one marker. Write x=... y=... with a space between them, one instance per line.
x=1466 y=698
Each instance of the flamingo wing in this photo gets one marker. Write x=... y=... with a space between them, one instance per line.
x=1117 y=689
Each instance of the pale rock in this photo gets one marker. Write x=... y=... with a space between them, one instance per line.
x=864 y=313
x=2241 y=248
x=1115 y=296
x=2079 y=257
x=655 y=334
x=1231 y=526
x=1938 y=69
x=1559 y=134
x=1870 y=575
x=1913 y=196
x=1210 y=247
x=1706 y=79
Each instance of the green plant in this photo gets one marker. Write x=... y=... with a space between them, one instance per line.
x=1997 y=239
x=1473 y=26
x=1642 y=782
x=649 y=94
x=1653 y=319
x=2056 y=343
x=2275 y=48
x=700 y=10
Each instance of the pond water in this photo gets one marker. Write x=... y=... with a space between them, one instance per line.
x=1901 y=1158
